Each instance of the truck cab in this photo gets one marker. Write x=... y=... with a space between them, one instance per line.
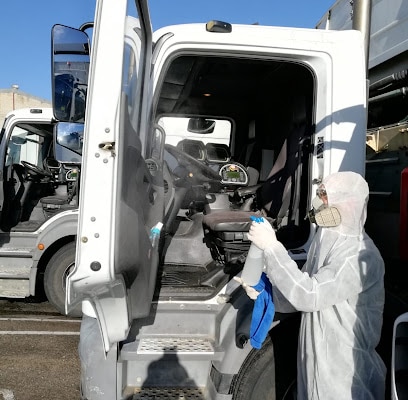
x=38 y=203
x=198 y=127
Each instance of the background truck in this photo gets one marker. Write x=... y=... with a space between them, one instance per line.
x=191 y=126
x=387 y=159
x=38 y=205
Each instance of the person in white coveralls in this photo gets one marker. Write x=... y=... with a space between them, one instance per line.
x=339 y=291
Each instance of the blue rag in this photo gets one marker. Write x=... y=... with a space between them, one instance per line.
x=263 y=312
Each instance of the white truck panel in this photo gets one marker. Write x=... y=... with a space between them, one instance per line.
x=389 y=26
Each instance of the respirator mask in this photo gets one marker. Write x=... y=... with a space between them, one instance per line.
x=321 y=214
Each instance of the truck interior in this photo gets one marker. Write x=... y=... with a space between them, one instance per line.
x=35 y=185
x=213 y=186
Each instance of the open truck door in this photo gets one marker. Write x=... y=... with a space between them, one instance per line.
x=121 y=197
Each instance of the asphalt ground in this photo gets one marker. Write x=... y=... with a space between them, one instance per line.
x=38 y=353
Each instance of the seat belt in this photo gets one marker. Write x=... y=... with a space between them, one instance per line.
x=290 y=204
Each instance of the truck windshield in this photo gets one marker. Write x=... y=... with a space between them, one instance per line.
x=177 y=129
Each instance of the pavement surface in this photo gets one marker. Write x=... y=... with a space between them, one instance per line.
x=38 y=353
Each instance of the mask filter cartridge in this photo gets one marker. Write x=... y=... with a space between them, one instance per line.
x=325 y=217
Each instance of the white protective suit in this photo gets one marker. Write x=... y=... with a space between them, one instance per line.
x=340 y=291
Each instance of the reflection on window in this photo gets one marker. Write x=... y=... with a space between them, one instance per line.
x=131 y=64
x=24 y=146
x=129 y=78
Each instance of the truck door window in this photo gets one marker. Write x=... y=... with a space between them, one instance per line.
x=24 y=146
x=129 y=79
x=131 y=63
x=176 y=129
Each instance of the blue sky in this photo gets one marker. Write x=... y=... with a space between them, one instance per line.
x=25 y=29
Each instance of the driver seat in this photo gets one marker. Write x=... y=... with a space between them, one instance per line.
x=226 y=232
x=54 y=204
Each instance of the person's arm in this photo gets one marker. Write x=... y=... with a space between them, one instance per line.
x=343 y=276
x=280 y=302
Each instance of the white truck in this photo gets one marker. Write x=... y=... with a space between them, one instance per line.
x=387 y=157
x=263 y=114
x=38 y=205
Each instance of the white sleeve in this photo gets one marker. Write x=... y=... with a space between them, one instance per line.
x=342 y=276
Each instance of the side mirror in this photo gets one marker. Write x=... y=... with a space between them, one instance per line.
x=69 y=135
x=52 y=163
x=201 y=125
x=70 y=70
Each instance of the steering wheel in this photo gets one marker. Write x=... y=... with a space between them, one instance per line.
x=198 y=169
x=35 y=171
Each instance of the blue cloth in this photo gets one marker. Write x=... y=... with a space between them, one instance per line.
x=263 y=312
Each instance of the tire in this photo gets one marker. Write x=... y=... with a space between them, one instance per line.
x=256 y=378
x=55 y=276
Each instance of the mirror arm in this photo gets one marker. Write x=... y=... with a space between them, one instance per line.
x=86 y=25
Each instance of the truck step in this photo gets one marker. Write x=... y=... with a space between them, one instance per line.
x=168 y=367
x=15 y=288
x=169 y=393
x=177 y=345
x=27 y=226
x=156 y=346
x=15 y=252
x=15 y=268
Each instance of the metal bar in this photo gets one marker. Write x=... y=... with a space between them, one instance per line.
x=362 y=23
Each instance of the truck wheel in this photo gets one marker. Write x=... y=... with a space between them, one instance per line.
x=55 y=277
x=256 y=378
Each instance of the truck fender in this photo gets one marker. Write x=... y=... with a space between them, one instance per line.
x=61 y=225
x=235 y=324
x=234 y=339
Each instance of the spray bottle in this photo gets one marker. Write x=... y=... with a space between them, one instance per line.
x=155 y=234
x=253 y=267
